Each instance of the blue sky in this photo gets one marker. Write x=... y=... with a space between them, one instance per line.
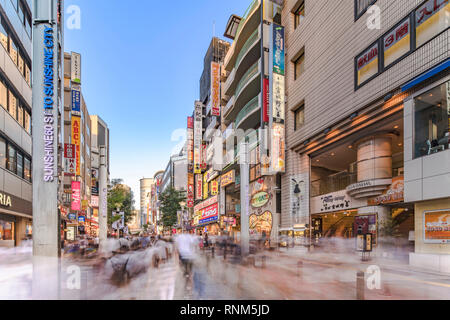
x=141 y=65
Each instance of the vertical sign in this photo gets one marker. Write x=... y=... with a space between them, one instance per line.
x=190 y=190
x=277 y=99
x=266 y=92
x=198 y=187
x=76 y=100
x=76 y=196
x=76 y=68
x=205 y=186
x=69 y=159
x=215 y=89
x=76 y=140
x=198 y=131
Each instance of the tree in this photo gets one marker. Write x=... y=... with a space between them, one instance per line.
x=170 y=205
x=120 y=197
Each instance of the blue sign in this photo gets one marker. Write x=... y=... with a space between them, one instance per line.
x=72 y=216
x=207 y=220
x=76 y=101
x=278 y=49
x=81 y=219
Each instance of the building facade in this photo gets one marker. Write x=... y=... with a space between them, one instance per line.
x=77 y=207
x=359 y=125
x=15 y=119
x=146 y=185
x=99 y=137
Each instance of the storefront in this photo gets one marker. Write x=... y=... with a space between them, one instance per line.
x=15 y=220
x=206 y=216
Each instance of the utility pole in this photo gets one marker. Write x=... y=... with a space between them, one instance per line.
x=103 y=214
x=244 y=164
x=46 y=223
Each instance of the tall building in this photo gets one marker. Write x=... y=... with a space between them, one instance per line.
x=99 y=137
x=367 y=124
x=15 y=119
x=77 y=209
x=145 y=200
x=253 y=94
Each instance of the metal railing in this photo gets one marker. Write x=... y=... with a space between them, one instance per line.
x=247 y=109
x=252 y=71
x=336 y=182
x=249 y=10
x=249 y=43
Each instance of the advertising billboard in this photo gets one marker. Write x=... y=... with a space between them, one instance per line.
x=209 y=214
x=215 y=89
x=76 y=196
x=198 y=132
x=69 y=159
x=76 y=68
x=397 y=43
x=436 y=226
x=367 y=64
x=431 y=19
x=76 y=140
x=76 y=100
x=278 y=148
x=198 y=187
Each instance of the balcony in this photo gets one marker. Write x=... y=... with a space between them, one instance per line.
x=248 y=115
x=250 y=21
x=249 y=54
x=333 y=183
x=246 y=78
x=228 y=106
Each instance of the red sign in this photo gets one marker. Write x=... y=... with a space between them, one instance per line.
x=190 y=123
x=198 y=187
x=210 y=213
x=203 y=157
x=266 y=100
x=69 y=162
x=76 y=196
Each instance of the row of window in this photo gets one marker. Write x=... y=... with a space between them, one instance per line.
x=17 y=56
x=24 y=16
x=16 y=109
x=423 y=24
x=14 y=160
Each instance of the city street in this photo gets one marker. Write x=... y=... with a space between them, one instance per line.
x=278 y=276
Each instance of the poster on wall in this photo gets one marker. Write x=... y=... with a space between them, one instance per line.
x=278 y=148
x=436 y=226
x=397 y=43
x=367 y=64
x=431 y=19
x=298 y=199
x=395 y=193
x=76 y=100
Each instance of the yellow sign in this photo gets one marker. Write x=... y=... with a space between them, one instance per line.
x=205 y=186
x=227 y=178
x=214 y=187
x=431 y=19
x=397 y=43
x=367 y=64
x=76 y=140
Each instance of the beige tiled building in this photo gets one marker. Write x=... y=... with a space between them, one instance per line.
x=347 y=86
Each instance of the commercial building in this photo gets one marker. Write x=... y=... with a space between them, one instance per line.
x=77 y=207
x=202 y=180
x=15 y=122
x=367 y=124
x=99 y=137
x=253 y=94
x=145 y=193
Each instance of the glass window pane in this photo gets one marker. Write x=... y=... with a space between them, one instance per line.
x=13 y=51
x=20 y=115
x=11 y=159
x=299 y=118
x=2 y=153
x=3 y=36
x=432 y=116
x=27 y=169
x=12 y=105
x=3 y=96
x=28 y=74
x=299 y=66
x=299 y=15
x=27 y=122
x=21 y=64
x=19 y=165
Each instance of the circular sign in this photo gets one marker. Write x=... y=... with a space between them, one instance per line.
x=260 y=199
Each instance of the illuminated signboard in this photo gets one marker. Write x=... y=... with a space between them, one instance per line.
x=76 y=67
x=431 y=19
x=76 y=196
x=76 y=140
x=215 y=89
x=198 y=132
x=227 y=178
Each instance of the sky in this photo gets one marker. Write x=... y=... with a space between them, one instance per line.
x=141 y=66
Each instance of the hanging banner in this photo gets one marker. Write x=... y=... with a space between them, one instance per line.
x=76 y=100
x=76 y=67
x=76 y=140
x=215 y=89
x=76 y=196
x=198 y=187
x=198 y=132
x=205 y=186
x=190 y=191
x=278 y=49
x=278 y=148
x=69 y=159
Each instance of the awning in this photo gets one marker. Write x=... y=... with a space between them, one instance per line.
x=434 y=71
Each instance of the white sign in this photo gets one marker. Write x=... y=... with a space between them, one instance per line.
x=297 y=196
x=76 y=67
x=336 y=201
